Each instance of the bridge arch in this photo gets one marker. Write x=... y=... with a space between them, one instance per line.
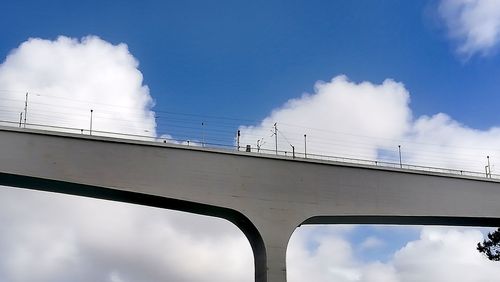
x=241 y=221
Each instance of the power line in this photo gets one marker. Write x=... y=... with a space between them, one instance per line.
x=223 y=128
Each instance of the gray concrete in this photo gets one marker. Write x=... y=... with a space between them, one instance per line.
x=266 y=196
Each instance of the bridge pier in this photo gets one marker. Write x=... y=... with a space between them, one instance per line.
x=276 y=259
x=275 y=234
x=276 y=265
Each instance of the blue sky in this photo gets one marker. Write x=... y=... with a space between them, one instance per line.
x=239 y=59
x=430 y=71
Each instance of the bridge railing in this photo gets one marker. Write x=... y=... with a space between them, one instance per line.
x=283 y=153
x=379 y=163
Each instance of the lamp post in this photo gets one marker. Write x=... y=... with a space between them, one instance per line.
x=400 y=162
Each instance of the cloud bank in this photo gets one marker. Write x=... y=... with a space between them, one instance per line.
x=473 y=24
x=51 y=237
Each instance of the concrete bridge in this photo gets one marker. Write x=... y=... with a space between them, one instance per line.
x=266 y=196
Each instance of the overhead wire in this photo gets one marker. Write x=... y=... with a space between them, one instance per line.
x=251 y=120
x=185 y=123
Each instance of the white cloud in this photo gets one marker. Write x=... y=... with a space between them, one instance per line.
x=67 y=77
x=324 y=253
x=440 y=254
x=379 y=272
x=340 y=113
x=330 y=260
x=444 y=254
x=474 y=24
x=441 y=141
x=67 y=238
x=372 y=243
x=368 y=121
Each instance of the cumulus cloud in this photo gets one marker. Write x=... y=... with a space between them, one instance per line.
x=440 y=254
x=369 y=121
x=474 y=24
x=67 y=77
x=338 y=114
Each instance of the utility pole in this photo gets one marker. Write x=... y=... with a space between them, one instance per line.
x=305 y=146
x=400 y=163
x=276 y=137
x=202 y=134
x=488 y=168
x=20 y=119
x=91 y=116
x=238 y=139
x=258 y=146
x=25 y=109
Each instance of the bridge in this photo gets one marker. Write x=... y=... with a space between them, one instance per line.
x=266 y=196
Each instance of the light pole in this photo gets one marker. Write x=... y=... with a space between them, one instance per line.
x=400 y=163
x=91 y=112
x=305 y=146
x=202 y=134
x=238 y=139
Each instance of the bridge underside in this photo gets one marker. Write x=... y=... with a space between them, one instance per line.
x=266 y=197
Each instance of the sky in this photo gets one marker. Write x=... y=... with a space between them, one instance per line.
x=358 y=78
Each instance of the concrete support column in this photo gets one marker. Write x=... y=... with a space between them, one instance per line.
x=276 y=236
x=276 y=263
